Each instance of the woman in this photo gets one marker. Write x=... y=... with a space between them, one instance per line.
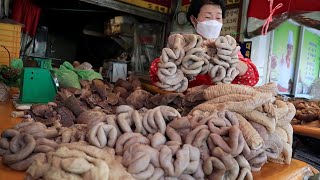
x=207 y=17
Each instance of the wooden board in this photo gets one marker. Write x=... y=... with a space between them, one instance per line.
x=307 y=131
x=6 y=121
x=296 y=170
x=154 y=89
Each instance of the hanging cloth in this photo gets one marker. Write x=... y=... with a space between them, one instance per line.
x=27 y=13
x=266 y=15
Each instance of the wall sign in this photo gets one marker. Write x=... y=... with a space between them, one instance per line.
x=309 y=62
x=231 y=22
x=246 y=49
x=156 y=5
x=283 y=57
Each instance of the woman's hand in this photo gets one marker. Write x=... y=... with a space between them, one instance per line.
x=242 y=67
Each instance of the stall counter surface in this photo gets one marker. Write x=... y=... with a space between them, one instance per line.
x=313 y=132
x=296 y=170
x=6 y=121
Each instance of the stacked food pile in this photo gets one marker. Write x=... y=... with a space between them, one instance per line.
x=118 y=132
x=308 y=113
x=186 y=57
x=263 y=120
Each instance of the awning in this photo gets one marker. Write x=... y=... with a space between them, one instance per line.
x=306 y=12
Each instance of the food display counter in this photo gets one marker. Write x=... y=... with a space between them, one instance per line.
x=6 y=121
x=296 y=170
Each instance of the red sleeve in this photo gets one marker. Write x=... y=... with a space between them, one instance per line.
x=153 y=71
x=251 y=77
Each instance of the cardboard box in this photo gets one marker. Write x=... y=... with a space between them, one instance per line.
x=119 y=25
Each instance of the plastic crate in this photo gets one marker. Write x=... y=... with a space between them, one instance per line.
x=10 y=37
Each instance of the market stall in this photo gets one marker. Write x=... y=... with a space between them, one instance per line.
x=139 y=131
x=178 y=106
x=296 y=169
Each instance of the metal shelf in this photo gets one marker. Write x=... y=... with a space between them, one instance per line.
x=131 y=9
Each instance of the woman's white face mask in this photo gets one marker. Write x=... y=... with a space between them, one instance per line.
x=209 y=29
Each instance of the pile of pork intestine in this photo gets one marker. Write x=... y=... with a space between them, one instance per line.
x=186 y=57
x=235 y=130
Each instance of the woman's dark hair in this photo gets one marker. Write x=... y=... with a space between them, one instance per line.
x=196 y=5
